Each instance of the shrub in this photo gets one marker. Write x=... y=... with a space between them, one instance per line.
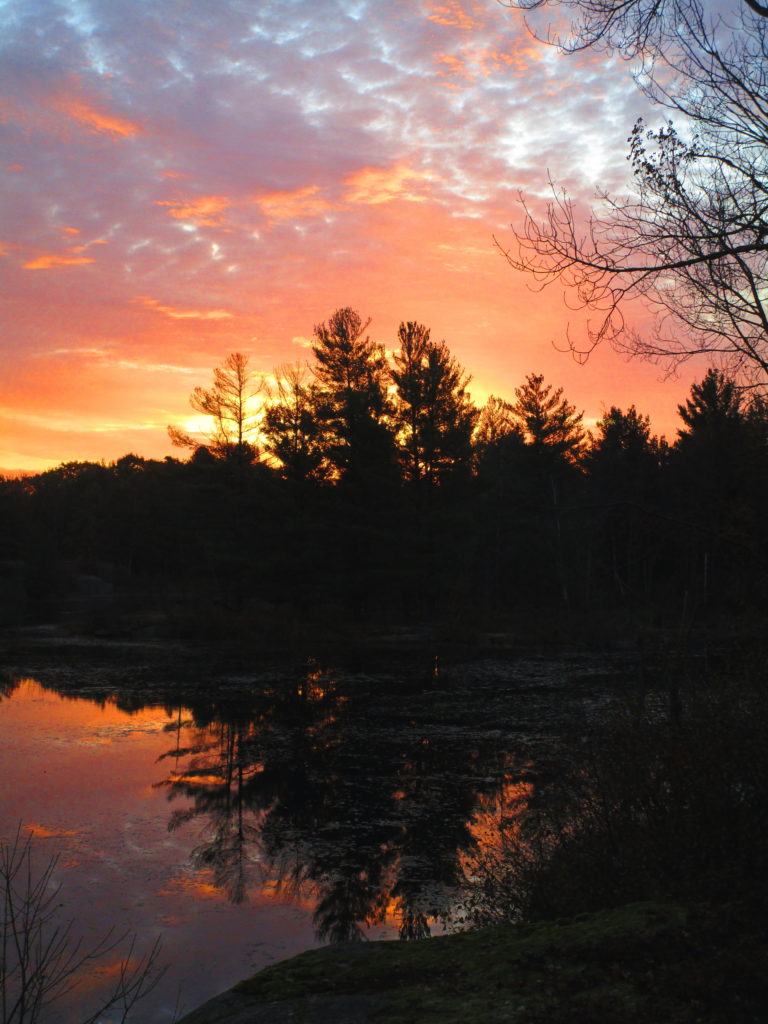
x=654 y=806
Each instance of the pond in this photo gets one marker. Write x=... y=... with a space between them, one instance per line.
x=244 y=815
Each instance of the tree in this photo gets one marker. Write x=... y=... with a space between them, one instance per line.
x=718 y=474
x=495 y=422
x=548 y=421
x=715 y=405
x=435 y=416
x=691 y=235
x=353 y=406
x=228 y=404
x=500 y=531
x=624 y=463
x=291 y=426
x=40 y=959
x=624 y=438
x=546 y=478
x=636 y=28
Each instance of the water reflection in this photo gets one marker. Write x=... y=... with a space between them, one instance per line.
x=357 y=798
x=335 y=790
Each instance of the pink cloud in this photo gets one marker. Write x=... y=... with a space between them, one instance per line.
x=204 y=210
x=332 y=159
x=373 y=185
x=456 y=14
x=174 y=313
x=96 y=120
x=453 y=67
x=302 y=202
x=52 y=261
x=52 y=107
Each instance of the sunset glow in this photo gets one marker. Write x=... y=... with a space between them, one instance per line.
x=185 y=180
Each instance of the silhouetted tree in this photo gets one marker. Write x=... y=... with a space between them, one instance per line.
x=636 y=28
x=624 y=464
x=228 y=404
x=690 y=235
x=550 y=424
x=718 y=470
x=291 y=426
x=495 y=422
x=499 y=536
x=714 y=408
x=354 y=412
x=353 y=403
x=435 y=416
x=554 y=438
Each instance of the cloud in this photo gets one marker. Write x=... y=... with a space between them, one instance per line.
x=98 y=121
x=373 y=185
x=257 y=166
x=302 y=202
x=183 y=314
x=54 y=104
x=207 y=211
x=456 y=14
x=52 y=261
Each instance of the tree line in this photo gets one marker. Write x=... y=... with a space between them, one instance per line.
x=363 y=488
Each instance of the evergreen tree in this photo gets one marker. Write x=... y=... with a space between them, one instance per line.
x=624 y=464
x=435 y=416
x=495 y=422
x=291 y=426
x=714 y=404
x=624 y=451
x=718 y=470
x=554 y=441
x=549 y=423
x=353 y=406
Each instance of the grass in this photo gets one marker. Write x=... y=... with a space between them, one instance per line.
x=645 y=963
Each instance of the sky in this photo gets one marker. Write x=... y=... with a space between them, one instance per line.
x=181 y=179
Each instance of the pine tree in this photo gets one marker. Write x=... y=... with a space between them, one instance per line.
x=549 y=423
x=435 y=416
x=353 y=407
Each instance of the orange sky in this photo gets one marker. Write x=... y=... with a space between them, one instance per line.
x=182 y=180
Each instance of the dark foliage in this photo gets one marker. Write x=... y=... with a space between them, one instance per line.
x=386 y=495
x=661 y=803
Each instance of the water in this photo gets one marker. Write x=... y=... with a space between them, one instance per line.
x=244 y=818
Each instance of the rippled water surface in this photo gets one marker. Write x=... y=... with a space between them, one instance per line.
x=244 y=817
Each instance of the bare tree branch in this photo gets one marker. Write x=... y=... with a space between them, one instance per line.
x=41 y=961
x=690 y=236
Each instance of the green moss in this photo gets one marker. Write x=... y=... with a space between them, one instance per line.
x=644 y=963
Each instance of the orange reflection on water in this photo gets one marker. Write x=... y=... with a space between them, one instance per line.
x=82 y=759
x=193 y=778
x=270 y=889
x=188 y=885
x=47 y=708
x=498 y=817
x=44 y=832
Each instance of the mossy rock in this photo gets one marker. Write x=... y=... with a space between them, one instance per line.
x=646 y=963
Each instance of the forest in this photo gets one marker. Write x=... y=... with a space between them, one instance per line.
x=367 y=489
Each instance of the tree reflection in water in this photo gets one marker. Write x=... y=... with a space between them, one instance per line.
x=349 y=790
